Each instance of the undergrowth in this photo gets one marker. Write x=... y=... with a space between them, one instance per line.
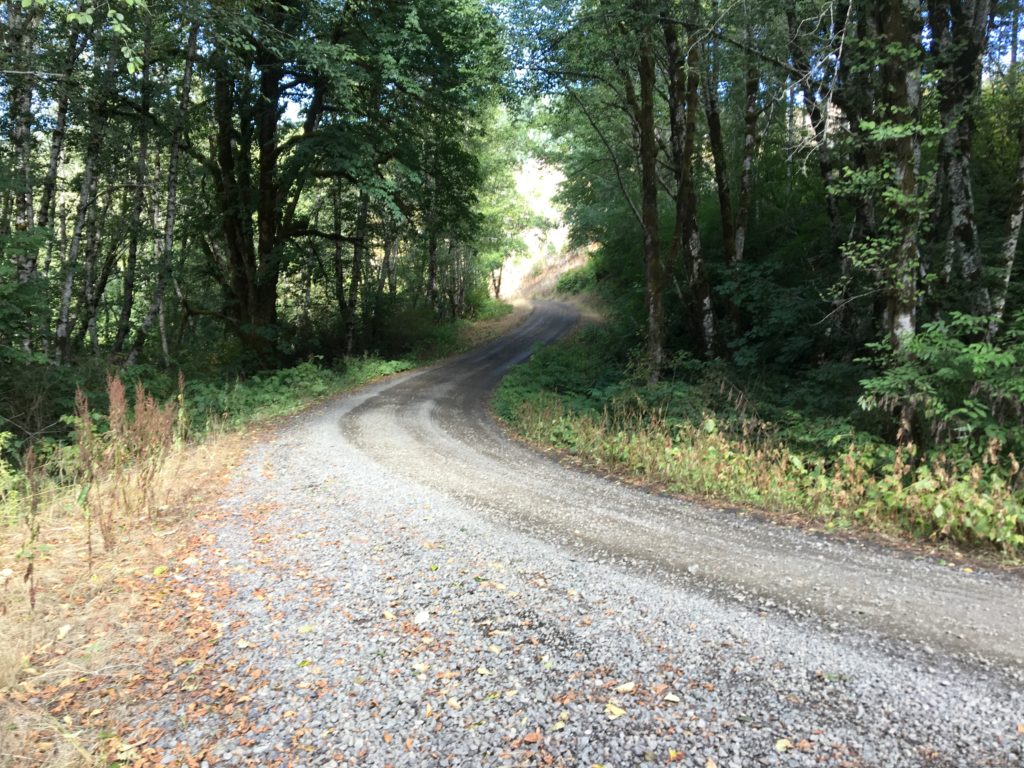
x=703 y=435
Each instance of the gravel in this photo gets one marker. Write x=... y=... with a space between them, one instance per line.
x=397 y=584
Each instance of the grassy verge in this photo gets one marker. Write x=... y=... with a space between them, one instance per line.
x=91 y=531
x=219 y=405
x=703 y=437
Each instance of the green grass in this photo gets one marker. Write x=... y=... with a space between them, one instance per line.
x=278 y=393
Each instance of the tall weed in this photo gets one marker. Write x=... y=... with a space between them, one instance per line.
x=116 y=467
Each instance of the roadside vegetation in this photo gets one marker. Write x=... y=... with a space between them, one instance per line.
x=813 y=449
x=805 y=221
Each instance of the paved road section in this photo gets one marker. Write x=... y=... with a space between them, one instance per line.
x=416 y=589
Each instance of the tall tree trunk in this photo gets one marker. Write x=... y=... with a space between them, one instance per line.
x=1009 y=251
x=171 y=208
x=654 y=270
x=388 y=267
x=59 y=133
x=751 y=143
x=22 y=21
x=339 y=255
x=432 y=270
x=684 y=104
x=87 y=191
x=899 y=23
x=359 y=251
x=959 y=31
x=721 y=166
x=96 y=274
x=138 y=205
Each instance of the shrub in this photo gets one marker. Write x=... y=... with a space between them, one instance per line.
x=577 y=280
x=967 y=392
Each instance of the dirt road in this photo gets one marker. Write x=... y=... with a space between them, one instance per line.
x=428 y=592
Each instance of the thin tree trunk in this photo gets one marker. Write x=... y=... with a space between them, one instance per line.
x=138 y=204
x=721 y=165
x=58 y=135
x=1009 y=251
x=654 y=271
x=751 y=143
x=167 y=246
x=85 y=195
x=22 y=22
x=959 y=40
x=358 y=254
x=96 y=275
x=900 y=27
x=339 y=257
x=432 y=270
x=684 y=104
x=388 y=267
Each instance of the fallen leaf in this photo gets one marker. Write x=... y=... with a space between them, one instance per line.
x=659 y=688
x=305 y=629
x=389 y=615
x=243 y=643
x=710 y=764
x=674 y=756
x=454 y=703
x=494 y=649
x=1020 y=728
x=160 y=570
x=613 y=711
x=626 y=687
x=783 y=745
x=672 y=697
x=804 y=745
x=63 y=631
x=532 y=738
x=484 y=671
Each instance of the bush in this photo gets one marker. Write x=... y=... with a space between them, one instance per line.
x=577 y=280
x=967 y=392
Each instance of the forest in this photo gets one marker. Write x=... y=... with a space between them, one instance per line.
x=802 y=220
x=229 y=188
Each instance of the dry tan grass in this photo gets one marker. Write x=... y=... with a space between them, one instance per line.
x=482 y=331
x=84 y=619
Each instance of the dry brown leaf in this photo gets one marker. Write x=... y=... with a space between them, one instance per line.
x=613 y=711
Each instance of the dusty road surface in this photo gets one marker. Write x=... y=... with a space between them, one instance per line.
x=397 y=583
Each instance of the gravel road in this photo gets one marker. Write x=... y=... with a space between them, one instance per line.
x=397 y=583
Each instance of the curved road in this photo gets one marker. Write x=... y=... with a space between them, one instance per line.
x=434 y=427
x=394 y=582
